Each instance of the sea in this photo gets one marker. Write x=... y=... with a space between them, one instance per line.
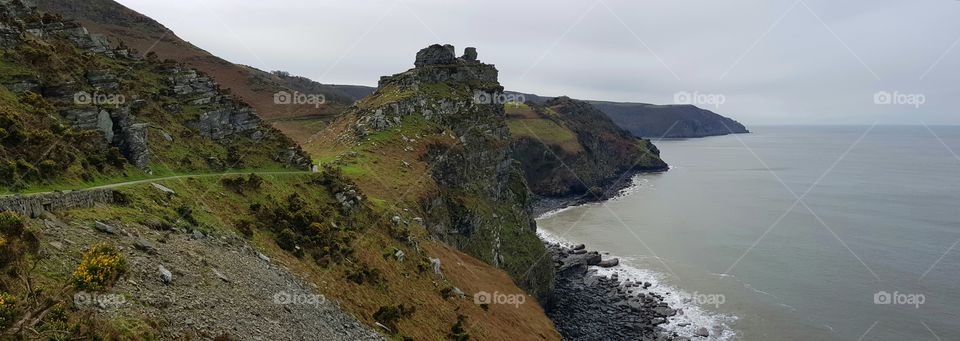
x=792 y=233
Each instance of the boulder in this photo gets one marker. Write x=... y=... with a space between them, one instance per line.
x=103 y=227
x=470 y=54
x=609 y=263
x=165 y=275
x=435 y=54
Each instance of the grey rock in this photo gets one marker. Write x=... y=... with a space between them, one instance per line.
x=145 y=246
x=163 y=188
x=435 y=265
x=702 y=332
x=470 y=54
x=263 y=257
x=165 y=275
x=609 y=263
x=435 y=54
x=105 y=228
x=458 y=293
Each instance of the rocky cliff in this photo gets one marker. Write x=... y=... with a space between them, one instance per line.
x=569 y=148
x=439 y=120
x=77 y=109
x=669 y=121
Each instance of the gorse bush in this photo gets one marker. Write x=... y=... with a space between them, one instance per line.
x=322 y=229
x=100 y=268
x=8 y=309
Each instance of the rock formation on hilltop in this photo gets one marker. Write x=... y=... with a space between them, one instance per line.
x=444 y=112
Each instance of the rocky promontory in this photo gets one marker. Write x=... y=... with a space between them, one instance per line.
x=588 y=306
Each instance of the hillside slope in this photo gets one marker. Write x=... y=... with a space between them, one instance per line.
x=453 y=157
x=568 y=147
x=669 y=121
x=75 y=110
x=142 y=35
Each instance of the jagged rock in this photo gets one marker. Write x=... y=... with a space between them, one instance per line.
x=57 y=245
x=399 y=255
x=221 y=276
x=470 y=54
x=263 y=257
x=145 y=246
x=163 y=189
x=458 y=293
x=435 y=266
x=702 y=332
x=435 y=54
x=103 y=227
x=609 y=263
x=165 y=275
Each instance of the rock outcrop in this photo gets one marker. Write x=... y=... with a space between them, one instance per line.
x=568 y=148
x=34 y=205
x=585 y=306
x=482 y=205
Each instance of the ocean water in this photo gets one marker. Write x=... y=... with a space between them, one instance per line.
x=869 y=252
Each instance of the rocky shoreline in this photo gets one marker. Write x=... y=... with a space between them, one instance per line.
x=587 y=306
x=543 y=205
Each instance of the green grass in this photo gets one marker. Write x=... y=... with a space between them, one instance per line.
x=545 y=131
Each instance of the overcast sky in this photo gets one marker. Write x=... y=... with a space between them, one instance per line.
x=758 y=61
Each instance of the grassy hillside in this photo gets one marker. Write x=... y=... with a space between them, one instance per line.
x=568 y=147
x=421 y=139
x=75 y=112
x=669 y=121
x=143 y=35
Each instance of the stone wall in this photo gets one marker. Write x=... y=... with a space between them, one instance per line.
x=33 y=205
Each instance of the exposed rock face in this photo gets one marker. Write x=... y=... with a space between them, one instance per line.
x=585 y=306
x=33 y=205
x=113 y=101
x=597 y=159
x=475 y=166
x=435 y=55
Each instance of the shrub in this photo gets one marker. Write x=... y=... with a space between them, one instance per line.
x=459 y=331
x=100 y=268
x=390 y=315
x=8 y=309
x=364 y=274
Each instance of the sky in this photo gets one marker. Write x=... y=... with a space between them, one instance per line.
x=761 y=62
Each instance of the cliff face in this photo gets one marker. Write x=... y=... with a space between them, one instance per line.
x=669 y=121
x=451 y=131
x=568 y=147
x=76 y=109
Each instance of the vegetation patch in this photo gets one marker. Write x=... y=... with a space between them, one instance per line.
x=100 y=268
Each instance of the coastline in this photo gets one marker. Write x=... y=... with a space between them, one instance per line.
x=598 y=298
